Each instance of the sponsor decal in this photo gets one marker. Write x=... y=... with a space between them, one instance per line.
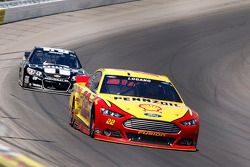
x=63 y=67
x=55 y=50
x=150 y=107
x=138 y=79
x=50 y=70
x=57 y=76
x=152 y=133
x=139 y=99
x=64 y=71
x=56 y=79
x=152 y=115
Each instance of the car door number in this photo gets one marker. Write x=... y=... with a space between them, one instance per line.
x=110 y=121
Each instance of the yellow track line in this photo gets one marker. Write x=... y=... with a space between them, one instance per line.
x=10 y=158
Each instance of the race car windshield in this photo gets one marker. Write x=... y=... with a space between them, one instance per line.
x=140 y=87
x=41 y=57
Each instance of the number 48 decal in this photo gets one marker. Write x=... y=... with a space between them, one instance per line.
x=110 y=121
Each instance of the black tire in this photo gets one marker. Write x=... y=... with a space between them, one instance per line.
x=92 y=124
x=72 y=119
x=22 y=84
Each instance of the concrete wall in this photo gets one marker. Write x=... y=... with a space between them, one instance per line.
x=42 y=9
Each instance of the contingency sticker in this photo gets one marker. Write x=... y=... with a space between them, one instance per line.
x=64 y=71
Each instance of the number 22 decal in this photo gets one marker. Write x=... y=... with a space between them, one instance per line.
x=110 y=121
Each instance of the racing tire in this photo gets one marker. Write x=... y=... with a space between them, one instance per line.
x=72 y=119
x=92 y=125
x=22 y=84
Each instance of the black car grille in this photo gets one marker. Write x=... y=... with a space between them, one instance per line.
x=150 y=125
x=57 y=76
x=150 y=139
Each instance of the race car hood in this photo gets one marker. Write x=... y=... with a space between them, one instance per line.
x=145 y=108
x=52 y=68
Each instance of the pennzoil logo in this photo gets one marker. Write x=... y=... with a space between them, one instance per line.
x=152 y=133
x=146 y=100
x=150 y=108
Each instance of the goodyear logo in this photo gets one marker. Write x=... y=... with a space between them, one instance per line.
x=152 y=133
x=2 y=15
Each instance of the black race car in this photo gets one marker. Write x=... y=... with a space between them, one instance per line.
x=50 y=69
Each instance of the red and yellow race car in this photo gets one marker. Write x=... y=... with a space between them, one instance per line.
x=132 y=107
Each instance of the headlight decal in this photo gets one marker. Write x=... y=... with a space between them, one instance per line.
x=33 y=72
x=189 y=122
x=107 y=112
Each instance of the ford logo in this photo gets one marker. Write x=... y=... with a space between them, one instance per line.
x=153 y=115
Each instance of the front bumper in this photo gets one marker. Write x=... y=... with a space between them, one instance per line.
x=48 y=84
x=113 y=130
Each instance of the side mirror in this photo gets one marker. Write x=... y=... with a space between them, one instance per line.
x=26 y=55
x=83 y=79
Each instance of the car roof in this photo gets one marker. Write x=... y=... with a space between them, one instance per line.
x=59 y=50
x=131 y=73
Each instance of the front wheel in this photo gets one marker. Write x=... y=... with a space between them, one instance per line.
x=72 y=112
x=92 y=126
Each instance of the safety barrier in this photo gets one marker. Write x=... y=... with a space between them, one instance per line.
x=27 y=9
x=18 y=3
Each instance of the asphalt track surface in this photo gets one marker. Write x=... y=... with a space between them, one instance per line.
x=207 y=58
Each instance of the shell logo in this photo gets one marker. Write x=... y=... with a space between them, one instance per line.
x=150 y=107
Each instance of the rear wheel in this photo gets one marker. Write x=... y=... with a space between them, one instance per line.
x=72 y=112
x=92 y=124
